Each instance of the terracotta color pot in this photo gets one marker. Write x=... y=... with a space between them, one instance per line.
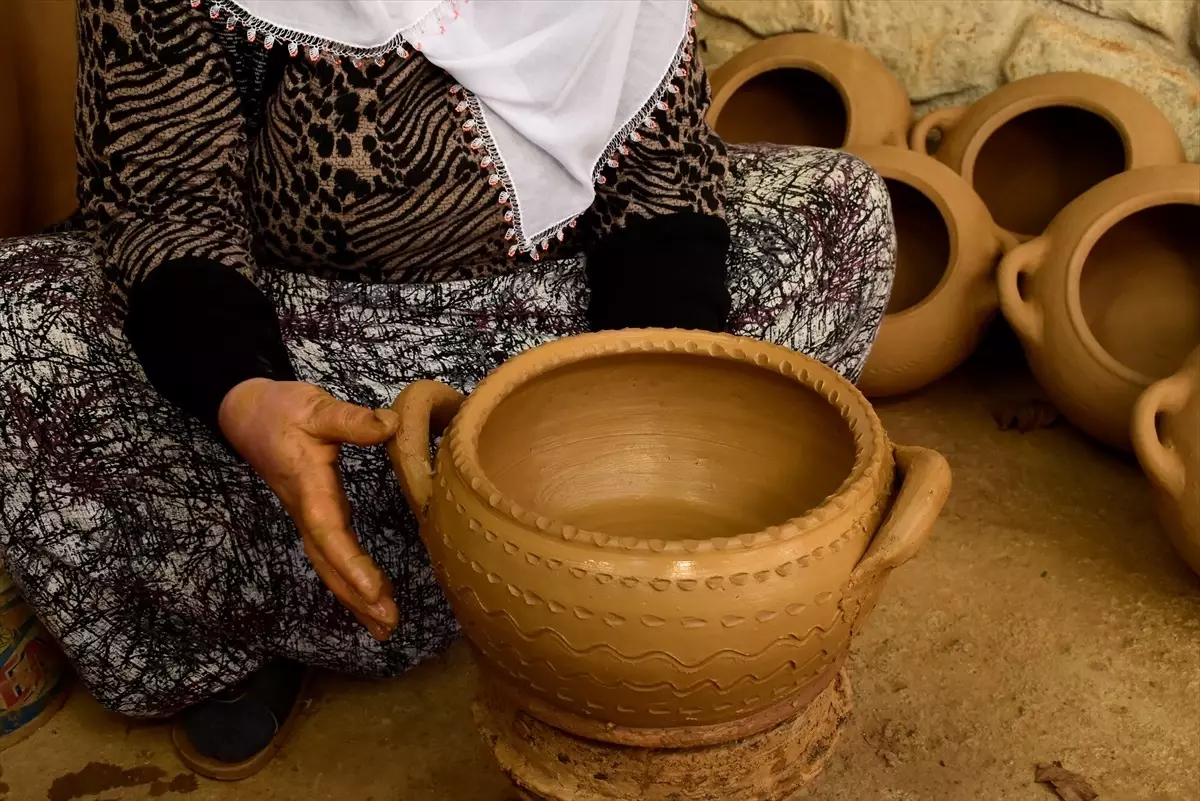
x=1108 y=299
x=1166 y=438
x=944 y=292
x=662 y=538
x=808 y=89
x=1034 y=145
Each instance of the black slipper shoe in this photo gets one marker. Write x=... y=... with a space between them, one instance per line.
x=235 y=733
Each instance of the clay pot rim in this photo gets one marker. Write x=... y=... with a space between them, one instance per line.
x=1171 y=191
x=1096 y=86
x=1094 y=89
x=870 y=441
x=756 y=66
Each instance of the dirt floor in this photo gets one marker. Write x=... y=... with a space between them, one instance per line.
x=1047 y=619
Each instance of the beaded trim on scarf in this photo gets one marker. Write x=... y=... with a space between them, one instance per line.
x=466 y=103
x=434 y=23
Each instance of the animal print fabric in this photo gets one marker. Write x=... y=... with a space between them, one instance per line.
x=166 y=568
x=193 y=144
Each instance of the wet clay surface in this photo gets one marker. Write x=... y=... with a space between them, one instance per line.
x=787 y=106
x=922 y=246
x=1047 y=619
x=1140 y=289
x=1038 y=162
x=666 y=446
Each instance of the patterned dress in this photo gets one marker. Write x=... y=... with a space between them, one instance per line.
x=162 y=563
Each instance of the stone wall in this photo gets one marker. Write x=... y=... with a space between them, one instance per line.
x=951 y=52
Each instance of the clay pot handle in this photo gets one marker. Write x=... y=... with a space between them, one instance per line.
x=924 y=487
x=942 y=120
x=426 y=409
x=1021 y=314
x=1007 y=239
x=1160 y=461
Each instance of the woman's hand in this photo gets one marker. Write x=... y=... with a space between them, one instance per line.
x=290 y=433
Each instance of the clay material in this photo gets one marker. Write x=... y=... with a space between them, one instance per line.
x=1036 y=144
x=547 y=764
x=662 y=538
x=944 y=293
x=808 y=89
x=1108 y=299
x=1166 y=438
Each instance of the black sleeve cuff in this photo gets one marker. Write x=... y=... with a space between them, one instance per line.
x=200 y=328
x=663 y=272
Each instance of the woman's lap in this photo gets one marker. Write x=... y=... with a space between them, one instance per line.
x=168 y=570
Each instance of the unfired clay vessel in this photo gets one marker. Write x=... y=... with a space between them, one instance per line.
x=1166 y=438
x=1108 y=299
x=662 y=538
x=944 y=291
x=808 y=89
x=1034 y=145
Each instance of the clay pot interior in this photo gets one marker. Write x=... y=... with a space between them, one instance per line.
x=1036 y=163
x=665 y=446
x=787 y=106
x=922 y=246
x=1139 y=289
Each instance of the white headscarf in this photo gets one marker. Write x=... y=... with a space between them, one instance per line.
x=553 y=88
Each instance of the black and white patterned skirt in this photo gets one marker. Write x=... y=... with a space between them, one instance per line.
x=168 y=570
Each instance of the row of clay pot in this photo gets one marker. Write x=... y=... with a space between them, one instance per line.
x=1006 y=166
x=1063 y=199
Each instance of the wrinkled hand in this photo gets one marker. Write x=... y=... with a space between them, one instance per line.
x=290 y=433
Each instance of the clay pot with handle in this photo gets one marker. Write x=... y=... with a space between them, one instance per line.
x=944 y=292
x=662 y=538
x=808 y=89
x=1107 y=301
x=1034 y=145
x=1166 y=438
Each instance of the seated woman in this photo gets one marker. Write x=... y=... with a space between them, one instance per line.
x=283 y=230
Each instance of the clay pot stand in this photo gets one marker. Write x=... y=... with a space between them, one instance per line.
x=545 y=763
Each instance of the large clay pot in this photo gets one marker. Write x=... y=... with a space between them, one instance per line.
x=1036 y=144
x=662 y=538
x=944 y=292
x=1108 y=299
x=1166 y=438
x=808 y=89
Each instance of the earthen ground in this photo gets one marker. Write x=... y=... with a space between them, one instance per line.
x=1047 y=619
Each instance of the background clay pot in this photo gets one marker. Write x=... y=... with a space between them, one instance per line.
x=808 y=89
x=944 y=292
x=1166 y=438
x=662 y=538
x=1108 y=299
x=1034 y=145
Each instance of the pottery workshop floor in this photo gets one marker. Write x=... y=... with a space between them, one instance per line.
x=1047 y=619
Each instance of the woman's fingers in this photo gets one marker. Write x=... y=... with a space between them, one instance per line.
x=337 y=421
x=380 y=629
x=324 y=517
